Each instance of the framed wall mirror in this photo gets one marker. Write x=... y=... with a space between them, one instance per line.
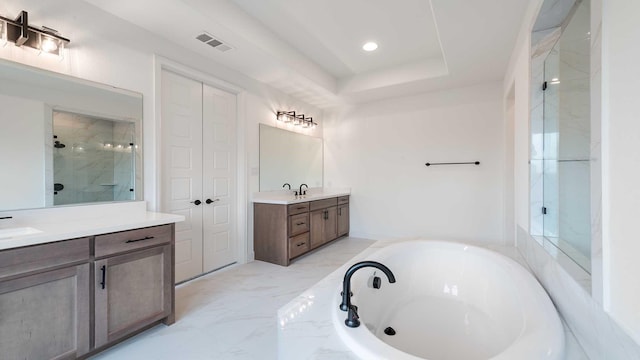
x=66 y=141
x=289 y=157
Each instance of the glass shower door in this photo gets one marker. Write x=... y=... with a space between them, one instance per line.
x=567 y=141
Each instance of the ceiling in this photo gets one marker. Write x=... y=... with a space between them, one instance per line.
x=313 y=49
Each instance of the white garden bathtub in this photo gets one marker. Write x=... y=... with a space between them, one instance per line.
x=450 y=301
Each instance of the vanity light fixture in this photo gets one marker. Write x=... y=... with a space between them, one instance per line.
x=19 y=32
x=298 y=120
x=285 y=116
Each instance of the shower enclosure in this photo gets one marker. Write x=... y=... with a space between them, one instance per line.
x=93 y=159
x=567 y=141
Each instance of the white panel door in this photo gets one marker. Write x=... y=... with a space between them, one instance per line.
x=219 y=174
x=182 y=168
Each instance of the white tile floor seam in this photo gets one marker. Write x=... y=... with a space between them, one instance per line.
x=232 y=313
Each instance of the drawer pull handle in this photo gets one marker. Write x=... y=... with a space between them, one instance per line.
x=301 y=244
x=103 y=283
x=143 y=239
x=301 y=207
x=300 y=223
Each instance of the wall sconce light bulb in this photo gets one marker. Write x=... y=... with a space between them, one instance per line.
x=48 y=45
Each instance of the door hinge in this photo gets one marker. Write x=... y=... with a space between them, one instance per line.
x=544 y=86
x=544 y=210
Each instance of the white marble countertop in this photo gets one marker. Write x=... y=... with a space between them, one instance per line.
x=305 y=324
x=70 y=223
x=285 y=197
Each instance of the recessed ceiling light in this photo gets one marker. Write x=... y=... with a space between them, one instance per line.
x=370 y=46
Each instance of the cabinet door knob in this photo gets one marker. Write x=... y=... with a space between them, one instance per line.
x=209 y=201
x=197 y=202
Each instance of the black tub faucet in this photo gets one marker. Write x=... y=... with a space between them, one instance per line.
x=346 y=305
x=287 y=184
x=300 y=190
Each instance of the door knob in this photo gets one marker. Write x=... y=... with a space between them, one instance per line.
x=197 y=202
x=209 y=201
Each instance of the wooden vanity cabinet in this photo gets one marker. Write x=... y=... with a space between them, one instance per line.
x=45 y=301
x=133 y=285
x=51 y=307
x=284 y=232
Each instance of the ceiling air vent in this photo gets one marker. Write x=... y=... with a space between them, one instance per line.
x=213 y=42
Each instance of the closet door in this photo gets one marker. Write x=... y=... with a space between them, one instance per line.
x=182 y=168
x=219 y=186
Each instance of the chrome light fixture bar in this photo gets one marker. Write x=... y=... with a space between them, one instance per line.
x=19 y=31
x=298 y=120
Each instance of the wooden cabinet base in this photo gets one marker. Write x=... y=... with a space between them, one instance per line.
x=46 y=307
x=282 y=233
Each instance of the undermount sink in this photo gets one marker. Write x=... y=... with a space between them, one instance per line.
x=18 y=231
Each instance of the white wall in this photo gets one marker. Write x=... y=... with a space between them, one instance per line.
x=379 y=150
x=621 y=162
x=519 y=80
x=109 y=50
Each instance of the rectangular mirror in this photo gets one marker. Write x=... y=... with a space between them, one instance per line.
x=66 y=141
x=289 y=157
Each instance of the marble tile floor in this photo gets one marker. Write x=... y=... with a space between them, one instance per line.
x=231 y=313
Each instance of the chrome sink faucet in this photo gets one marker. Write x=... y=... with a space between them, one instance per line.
x=352 y=311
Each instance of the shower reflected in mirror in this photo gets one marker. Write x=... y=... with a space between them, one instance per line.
x=93 y=159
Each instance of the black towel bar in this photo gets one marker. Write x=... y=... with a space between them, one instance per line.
x=455 y=163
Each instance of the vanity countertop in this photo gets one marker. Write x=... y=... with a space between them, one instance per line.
x=287 y=197
x=74 y=225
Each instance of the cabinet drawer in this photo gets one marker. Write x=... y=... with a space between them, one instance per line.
x=322 y=204
x=298 y=208
x=39 y=257
x=298 y=224
x=298 y=245
x=343 y=200
x=115 y=243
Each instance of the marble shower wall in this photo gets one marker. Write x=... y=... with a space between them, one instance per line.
x=560 y=136
x=95 y=163
x=574 y=129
